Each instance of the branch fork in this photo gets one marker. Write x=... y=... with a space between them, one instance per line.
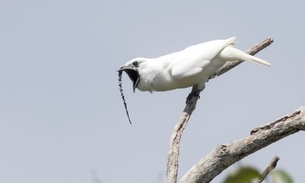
x=225 y=155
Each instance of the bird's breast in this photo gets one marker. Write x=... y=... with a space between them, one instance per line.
x=155 y=81
x=162 y=80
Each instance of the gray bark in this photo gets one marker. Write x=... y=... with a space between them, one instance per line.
x=174 y=145
x=225 y=155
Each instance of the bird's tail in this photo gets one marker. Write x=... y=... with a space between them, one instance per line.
x=231 y=54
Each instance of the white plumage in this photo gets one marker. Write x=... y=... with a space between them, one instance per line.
x=191 y=66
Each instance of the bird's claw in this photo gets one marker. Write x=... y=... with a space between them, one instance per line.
x=192 y=94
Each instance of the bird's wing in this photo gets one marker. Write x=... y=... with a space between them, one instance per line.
x=194 y=59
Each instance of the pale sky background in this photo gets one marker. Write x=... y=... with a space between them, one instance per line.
x=61 y=115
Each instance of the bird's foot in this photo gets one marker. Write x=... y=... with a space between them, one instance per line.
x=191 y=95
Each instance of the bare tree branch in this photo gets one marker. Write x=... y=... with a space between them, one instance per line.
x=174 y=145
x=270 y=167
x=225 y=155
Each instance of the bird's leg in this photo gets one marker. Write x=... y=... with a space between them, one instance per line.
x=194 y=93
x=191 y=95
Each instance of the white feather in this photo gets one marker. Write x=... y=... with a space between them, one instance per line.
x=198 y=57
x=230 y=53
x=191 y=66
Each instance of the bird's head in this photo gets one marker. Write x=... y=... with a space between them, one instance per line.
x=132 y=70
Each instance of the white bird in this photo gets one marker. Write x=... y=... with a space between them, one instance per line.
x=189 y=67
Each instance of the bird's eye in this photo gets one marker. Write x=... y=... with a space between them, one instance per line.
x=135 y=63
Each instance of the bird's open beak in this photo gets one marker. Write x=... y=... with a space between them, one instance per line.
x=133 y=75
